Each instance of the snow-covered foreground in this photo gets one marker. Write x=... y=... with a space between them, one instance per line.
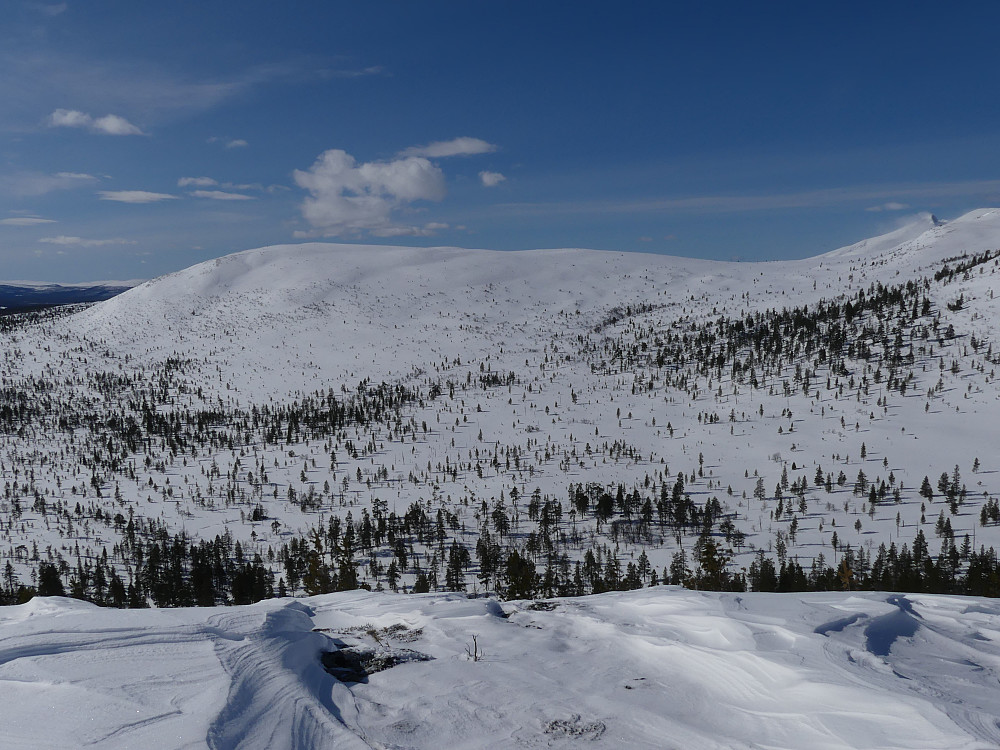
x=662 y=667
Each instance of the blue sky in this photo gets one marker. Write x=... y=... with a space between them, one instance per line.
x=139 y=138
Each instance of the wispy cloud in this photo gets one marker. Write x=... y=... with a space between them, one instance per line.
x=221 y=195
x=228 y=142
x=134 y=196
x=48 y=9
x=349 y=197
x=67 y=241
x=33 y=184
x=25 y=221
x=106 y=125
x=890 y=206
x=196 y=182
x=228 y=194
x=709 y=204
x=427 y=230
x=34 y=77
x=463 y=146
x=372 y=70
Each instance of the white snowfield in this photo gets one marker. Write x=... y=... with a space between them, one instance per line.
x=298 y=317
x=263 y=326
x=657 y=668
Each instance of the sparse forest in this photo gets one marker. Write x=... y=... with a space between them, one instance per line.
x=727 y=441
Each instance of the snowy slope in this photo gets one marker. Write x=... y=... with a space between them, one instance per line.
x=298 y=317
x=264 y=326
x=659 y=668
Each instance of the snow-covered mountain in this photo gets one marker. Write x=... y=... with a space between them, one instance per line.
x=298 y=317
x=550 y=423
x=528 y=370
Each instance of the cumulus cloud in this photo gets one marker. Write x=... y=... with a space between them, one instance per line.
x=237 y=143
x=221 y=195
x=464 y=146
x=134 y=196
x=491 y=179
x=196 y=182
x=69 y=118
x=65 y=241
x=107 y=125
x=25 y=221
x=890 y=206
x=348 y=197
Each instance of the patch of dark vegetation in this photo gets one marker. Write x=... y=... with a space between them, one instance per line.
x=574 y=726
x=355 y=663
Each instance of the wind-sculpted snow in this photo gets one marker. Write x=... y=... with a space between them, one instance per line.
x=658 y=668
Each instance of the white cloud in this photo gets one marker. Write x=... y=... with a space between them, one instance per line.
x=221 y=195
x=427 y=230
x=69 y=118
x=25 y=221
x=348 y=197
x=50 y=10
x=464 y=146
x=65 y=241
x=196 y=182
x=36 y=73
x=491 y=179
x=107 y=125
x=115 y=125
x=134 y=196
x=228 y=142
x=31 y=184
x=890 y=206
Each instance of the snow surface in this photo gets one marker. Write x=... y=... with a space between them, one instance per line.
x=265 y=326
x=656 y=668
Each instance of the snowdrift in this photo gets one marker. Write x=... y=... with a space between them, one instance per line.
x=658 y=668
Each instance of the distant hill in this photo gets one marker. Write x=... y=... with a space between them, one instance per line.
x=16 y=295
